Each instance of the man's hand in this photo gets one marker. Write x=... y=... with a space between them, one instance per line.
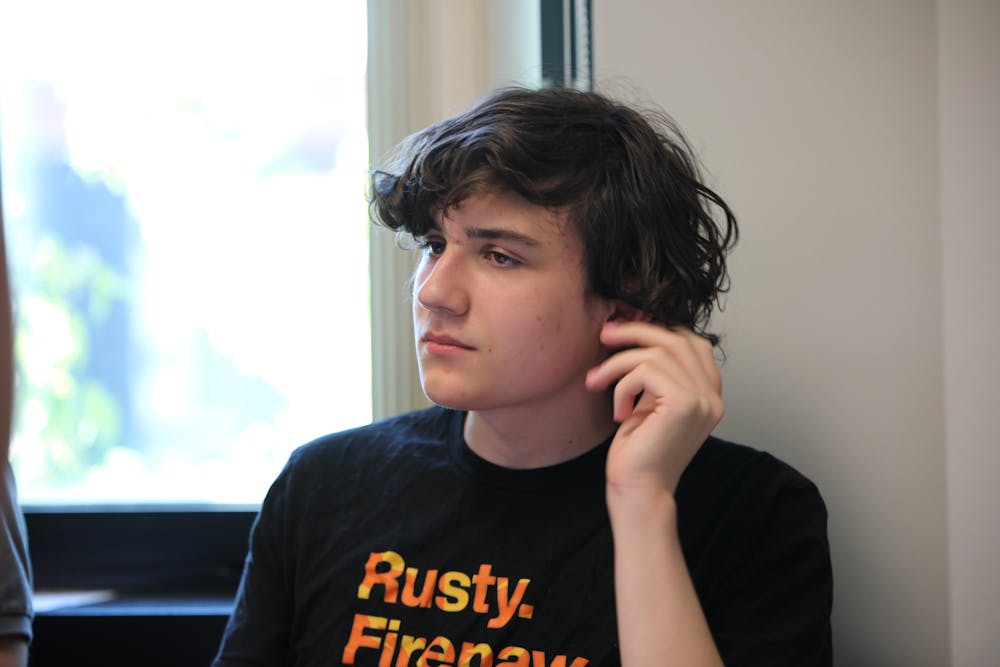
x=667 y=400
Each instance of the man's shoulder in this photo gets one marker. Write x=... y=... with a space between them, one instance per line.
x=726 y=477
x=407 y=432
x=365 y=457
x=722 y=461
x=743 y=512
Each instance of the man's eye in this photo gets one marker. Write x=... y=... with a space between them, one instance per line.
x=432 y=246
x=501 y=259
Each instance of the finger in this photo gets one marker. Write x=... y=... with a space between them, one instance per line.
x=643 y=383
x=645 y=388
x=694 y=352
x=703 y=352
x=656 y=360
x=688 y=409
x=634 y=334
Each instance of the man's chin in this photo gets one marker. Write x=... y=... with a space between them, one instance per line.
x=449 y=399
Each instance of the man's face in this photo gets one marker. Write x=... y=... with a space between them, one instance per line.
x=500 y=308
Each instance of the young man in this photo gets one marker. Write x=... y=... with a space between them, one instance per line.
x=565 y=505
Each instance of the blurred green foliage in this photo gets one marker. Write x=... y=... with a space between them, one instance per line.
x=73 y=418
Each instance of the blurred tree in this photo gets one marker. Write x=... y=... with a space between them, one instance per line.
x=76 y=418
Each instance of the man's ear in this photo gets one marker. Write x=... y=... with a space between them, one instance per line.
x=623 y=312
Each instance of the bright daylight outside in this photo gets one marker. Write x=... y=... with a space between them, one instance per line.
x=183 y=188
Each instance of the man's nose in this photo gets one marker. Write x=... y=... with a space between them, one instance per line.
x=441 y=284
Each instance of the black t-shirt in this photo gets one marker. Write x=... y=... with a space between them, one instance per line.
x=394 y=545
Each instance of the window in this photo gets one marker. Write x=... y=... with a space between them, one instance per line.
x=188 y=237
x=565 y=44
x=187 y=233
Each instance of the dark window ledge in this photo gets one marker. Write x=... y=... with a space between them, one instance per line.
x=153 y=630
x=141 y=586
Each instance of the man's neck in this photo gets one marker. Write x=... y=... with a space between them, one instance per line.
x=518 y=438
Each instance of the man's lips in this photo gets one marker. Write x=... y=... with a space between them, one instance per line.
x=437 y=342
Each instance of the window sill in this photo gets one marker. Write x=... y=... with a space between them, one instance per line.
x=109 y=629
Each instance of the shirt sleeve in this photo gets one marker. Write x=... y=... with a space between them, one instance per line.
x=16 y=611
x=258 y=629
x=772 y=603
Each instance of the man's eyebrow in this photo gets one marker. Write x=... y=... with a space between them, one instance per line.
x=500 y=234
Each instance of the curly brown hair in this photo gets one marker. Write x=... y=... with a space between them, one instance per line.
x=627 y=181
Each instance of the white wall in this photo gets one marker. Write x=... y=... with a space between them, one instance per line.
x=850 y=144
x=969 y=66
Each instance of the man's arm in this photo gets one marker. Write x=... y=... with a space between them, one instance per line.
x=15 y=575
x=667 y=401
x=17 y=570
x=257 y=632
x=13 y=652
